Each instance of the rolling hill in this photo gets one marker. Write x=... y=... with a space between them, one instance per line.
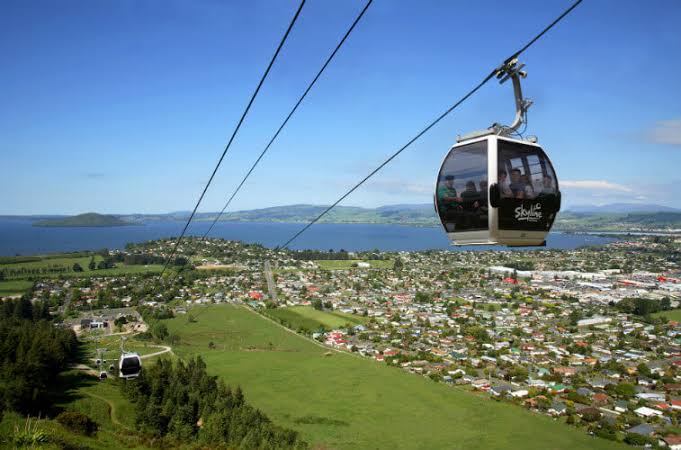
x=83 y=220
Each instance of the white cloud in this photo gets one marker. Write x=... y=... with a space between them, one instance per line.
x=399 y=187
x=594 y=185
x=666 y=132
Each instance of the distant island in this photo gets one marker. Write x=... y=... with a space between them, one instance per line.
x=84 y=220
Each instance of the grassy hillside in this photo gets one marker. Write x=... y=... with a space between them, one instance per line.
x=346 y=402
x=83 y=220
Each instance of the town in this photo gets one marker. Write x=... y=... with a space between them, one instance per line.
x=588 y=336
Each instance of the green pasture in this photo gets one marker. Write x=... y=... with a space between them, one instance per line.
x=674 y=314
x=342 y=401
x=14 y=287
x=313 y=319
x=67 y=261
x=345 y=264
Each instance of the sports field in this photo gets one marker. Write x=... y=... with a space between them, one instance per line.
x=343 y=401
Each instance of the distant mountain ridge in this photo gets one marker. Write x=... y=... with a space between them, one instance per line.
x=389 y=214
x=621 y=208
x=618 y=216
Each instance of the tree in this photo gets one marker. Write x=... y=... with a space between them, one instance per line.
x=643 y=370
x=160 y=331
x=92 y=265
x=398 y=265
x=575 y=316
x=77 y=267
x=625 y=390
x=635 y=439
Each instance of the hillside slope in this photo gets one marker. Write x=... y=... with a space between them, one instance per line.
x=84 y=220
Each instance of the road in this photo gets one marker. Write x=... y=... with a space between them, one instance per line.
x=271 y=287
x=112 y=408
x=166 y=349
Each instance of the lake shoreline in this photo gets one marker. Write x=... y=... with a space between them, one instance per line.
x=20 y=237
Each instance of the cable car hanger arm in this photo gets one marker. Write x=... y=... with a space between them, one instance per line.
x=512 y=70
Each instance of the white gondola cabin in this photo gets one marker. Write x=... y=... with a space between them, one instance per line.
x=129 y=365
x=496 y=190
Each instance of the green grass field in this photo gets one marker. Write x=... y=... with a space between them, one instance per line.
x=42 y=262
x=345 y=264
x=14 y=287
x=674 y=314
x=347 y=402
x=312 y=319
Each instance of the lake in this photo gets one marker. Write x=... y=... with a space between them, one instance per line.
x=18 y=236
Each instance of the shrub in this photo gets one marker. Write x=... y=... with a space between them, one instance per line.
x=78 y=423
x=635 y=439
x=29 y=436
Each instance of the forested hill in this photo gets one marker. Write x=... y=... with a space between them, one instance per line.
x=398 y=214
x=83 y=220
x=570 y=221
x=419 y=214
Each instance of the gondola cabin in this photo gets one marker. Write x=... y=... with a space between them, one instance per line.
x=129 y=365
x=497 y=190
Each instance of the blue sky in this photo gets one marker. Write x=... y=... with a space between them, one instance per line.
x=125 y=106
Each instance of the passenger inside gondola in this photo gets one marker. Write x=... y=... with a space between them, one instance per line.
x=447 y=195
x=471 y=197
x=548 y=187
x=516 y=186
x=483 y=194
x=528 y=190
x=504 y=184
x=458 y=201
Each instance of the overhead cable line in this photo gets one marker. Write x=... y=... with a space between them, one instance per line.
x=290 y=114
x=491 y=75
x=236 y=130
x=288 y=117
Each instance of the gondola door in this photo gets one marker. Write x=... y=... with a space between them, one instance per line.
x=461 y=193
x=525 y=198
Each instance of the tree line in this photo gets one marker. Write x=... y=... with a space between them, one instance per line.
x=146 y=259
x=310 y=255
x=23 y=272
x=181 y=402
x=32 y=353
x=643 y=306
